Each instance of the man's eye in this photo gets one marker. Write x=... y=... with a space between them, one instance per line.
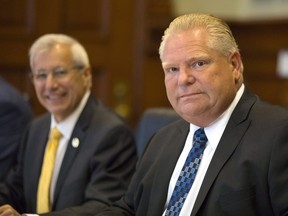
x=201 y=64
x=60 y=72
x=172 y=69
x=41 y=76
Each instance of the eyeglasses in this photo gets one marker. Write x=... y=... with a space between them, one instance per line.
x=58 y=73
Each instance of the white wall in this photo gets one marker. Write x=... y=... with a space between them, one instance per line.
x=234 y=9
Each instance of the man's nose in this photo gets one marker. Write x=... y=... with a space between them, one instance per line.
x=51 y=80
x=185 y=76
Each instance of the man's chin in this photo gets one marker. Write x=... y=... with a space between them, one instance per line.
x=56 y=110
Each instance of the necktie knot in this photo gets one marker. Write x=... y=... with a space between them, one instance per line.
x=199 y=141
x=55 y=134
x=200 y=136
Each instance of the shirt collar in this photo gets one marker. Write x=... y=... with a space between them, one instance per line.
x=215 y=130
x=67 y=125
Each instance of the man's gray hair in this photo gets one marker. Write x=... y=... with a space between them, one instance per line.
x=48 y=41
x=221 y=37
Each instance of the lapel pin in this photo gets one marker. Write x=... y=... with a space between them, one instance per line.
x=75 y=142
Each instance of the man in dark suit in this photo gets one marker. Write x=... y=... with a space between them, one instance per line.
x=15 y=115
x=244 y=167
x=96 y=152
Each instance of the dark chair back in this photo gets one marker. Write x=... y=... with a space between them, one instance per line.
x=150 y=122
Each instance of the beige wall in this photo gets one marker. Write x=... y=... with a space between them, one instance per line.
x=236 y=9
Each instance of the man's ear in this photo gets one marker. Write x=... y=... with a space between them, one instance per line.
x=236 y=61
x=87 y=73
x=237 y=66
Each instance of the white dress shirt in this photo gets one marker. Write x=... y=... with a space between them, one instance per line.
x=214 y=133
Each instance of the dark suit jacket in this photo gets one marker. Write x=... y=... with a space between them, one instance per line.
x=91 y=176
x=248 y=174
x=15 y=115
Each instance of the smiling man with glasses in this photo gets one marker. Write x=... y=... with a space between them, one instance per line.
x=59 y=83
x=94 y=153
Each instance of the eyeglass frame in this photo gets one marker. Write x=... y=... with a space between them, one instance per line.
x=58 y=73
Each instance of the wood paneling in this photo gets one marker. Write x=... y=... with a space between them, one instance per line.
x=151 y=18
x=104 y=27
x=16 y=19
x=259 y=44
x=122 y=40
x=94 y=23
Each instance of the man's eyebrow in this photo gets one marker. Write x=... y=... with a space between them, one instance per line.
x=194 y=58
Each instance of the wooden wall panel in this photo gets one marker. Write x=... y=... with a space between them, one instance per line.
x=16 y=19
x=122 y=40
x=89 y=21
x=102 y=26
x=151 y=18
x=259 y=43
x=16 y=27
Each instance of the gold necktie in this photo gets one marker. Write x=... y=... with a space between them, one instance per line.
x=43 y=194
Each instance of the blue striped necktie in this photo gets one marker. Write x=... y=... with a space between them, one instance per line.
x=188 y=174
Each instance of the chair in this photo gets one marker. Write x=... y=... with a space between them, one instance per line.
x=150 y=122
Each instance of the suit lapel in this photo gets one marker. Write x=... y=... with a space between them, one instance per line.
x=34 y=154
x=77 y=140
x=70 y=154
x=232 y=136
x=165 y=168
